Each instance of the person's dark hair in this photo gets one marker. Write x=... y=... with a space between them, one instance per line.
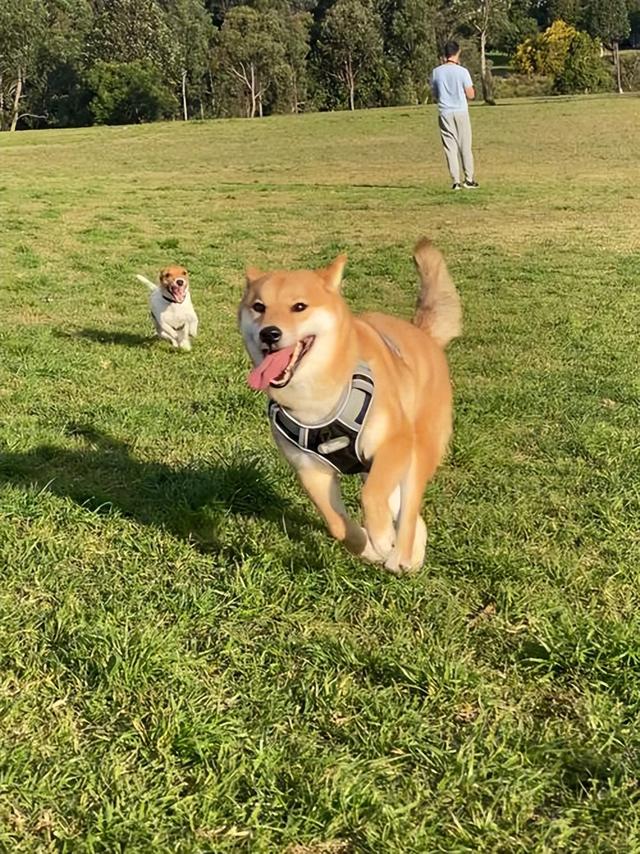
x=450 y=49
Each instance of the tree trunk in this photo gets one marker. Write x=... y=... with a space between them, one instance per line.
x=212 y=101
x=254 y=95
x=16 y=101
x=185 y=110
x=485 y=74
x=616 y=59
x=352 y=85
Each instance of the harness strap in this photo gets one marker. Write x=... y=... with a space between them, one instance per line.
x=336 y=441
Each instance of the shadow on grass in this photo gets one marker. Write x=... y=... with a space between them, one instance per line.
x=100 y=336
x=190 y=502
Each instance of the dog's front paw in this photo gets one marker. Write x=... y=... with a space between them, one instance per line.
x=403 y=567
x=382 y=544
x=369 y=553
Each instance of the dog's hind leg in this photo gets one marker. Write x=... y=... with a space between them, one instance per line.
x=322 y=486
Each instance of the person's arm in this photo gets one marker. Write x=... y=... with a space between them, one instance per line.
x=469 y=91
x=434 y=88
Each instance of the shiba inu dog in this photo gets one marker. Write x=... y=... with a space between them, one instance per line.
x=365 y=394
x=172 y=310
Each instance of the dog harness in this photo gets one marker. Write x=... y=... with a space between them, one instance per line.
x=336 y=441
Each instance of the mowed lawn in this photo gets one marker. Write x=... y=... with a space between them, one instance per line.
x=188 y=662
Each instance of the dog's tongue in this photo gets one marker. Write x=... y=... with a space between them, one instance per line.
x=269 y=369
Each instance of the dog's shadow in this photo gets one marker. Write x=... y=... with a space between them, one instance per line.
x=190 y=502
x=103 y=336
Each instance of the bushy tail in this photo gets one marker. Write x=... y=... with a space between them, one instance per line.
x=438 y=310
x=146 y=282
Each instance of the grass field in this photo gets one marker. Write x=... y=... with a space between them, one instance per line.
x=188 y=663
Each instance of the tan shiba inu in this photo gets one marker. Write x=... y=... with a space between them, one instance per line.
x=368 y=394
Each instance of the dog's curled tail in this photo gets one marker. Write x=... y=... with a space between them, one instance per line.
x=146 y=282
x=438 y=310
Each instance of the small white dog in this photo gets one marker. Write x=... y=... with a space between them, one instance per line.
x=172 y=311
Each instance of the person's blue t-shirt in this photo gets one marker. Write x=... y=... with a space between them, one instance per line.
x=448 y=83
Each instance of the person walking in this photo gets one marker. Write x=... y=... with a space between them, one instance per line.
x=452 y=88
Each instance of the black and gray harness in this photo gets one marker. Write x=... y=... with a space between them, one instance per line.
x=337 y=440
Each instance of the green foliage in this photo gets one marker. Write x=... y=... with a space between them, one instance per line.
x=523 y=86
x=192 y=35
x=520 y=25
x=630 y=71
x=259 y=59
x=129 y=93
x=23 y=29
x=563 y=10
x=567 y=56
x=352 y=49
x=410 y=48
x=583 y=70
x=299 y=55
x=607 y=20
x=131 y=30
x=546 y=53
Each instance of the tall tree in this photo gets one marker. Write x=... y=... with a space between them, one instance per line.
x=250 y=55
x=609 y=20
x=23 y=25
x=486 y=18
x=351 y=43
x=192 y=36
x=59 y=91
x=129 y=30
x=410 y=45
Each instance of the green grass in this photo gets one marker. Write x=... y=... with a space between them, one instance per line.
x=188 y=663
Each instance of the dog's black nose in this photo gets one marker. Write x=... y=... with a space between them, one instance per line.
x=270 y=335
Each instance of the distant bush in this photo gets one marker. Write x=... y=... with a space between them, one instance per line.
x=523 y=86
x=547 y=52
x=630 y=71
x=583 y=70
x=129 y=93
x=569 y=57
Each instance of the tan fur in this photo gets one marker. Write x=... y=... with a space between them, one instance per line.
x=409 y=424
x=438 y=310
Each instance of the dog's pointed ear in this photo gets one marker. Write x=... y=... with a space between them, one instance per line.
x=332 y=274
x=252 y=274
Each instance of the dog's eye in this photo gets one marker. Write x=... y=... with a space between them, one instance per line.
x=259 y=307
x=299 y=306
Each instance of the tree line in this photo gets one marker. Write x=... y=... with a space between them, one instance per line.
x=67 y=63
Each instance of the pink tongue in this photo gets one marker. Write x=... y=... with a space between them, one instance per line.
x=269 y=368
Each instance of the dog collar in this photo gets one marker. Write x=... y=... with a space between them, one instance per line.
x=337 y=440
x=169 y=299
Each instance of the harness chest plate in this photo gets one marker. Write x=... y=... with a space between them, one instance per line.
x=337 y=440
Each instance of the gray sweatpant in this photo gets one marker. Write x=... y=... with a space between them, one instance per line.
x=455 y=131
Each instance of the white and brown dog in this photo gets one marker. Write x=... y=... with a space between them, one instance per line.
x=171 y=308
x=366 y=394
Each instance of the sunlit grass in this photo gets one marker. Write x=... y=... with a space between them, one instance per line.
x=188 y=662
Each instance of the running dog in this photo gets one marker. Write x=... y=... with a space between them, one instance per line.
x=367 y=394
x=171 y=308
